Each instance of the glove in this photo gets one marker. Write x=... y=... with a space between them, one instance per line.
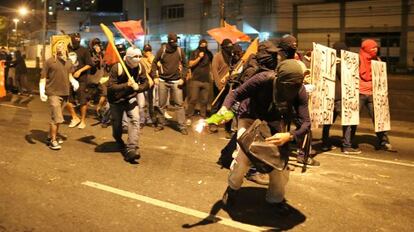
x=135 y=86
x=42 y=89
x=74 y=83
x=222 y=110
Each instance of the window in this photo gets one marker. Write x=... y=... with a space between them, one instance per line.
x=206 y=9
x=172 y=11
x=269 y=7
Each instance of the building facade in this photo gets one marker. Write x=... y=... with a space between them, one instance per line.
x=391 y=23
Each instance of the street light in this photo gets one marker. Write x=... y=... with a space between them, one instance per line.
x=23 y=11
x=16 y=21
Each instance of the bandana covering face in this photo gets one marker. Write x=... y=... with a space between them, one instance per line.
x=133 y=57
x=288 y=83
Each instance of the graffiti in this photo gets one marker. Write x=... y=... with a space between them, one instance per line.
x=380 y=96
x=323 y=78
x=350 y=88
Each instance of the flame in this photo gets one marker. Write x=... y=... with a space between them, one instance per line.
x=200 y=126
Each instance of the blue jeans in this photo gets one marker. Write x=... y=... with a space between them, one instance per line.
x=176 y=98
x=367 y=101
x=348 y=132
x=130 y=108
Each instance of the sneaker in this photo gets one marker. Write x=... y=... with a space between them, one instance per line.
x=259 y=178
x=326 y=147
x=280 y=207
x=229 y=197
x=131 y=155
x=183 y=131
x=82 y=125
x=387 y=147
x=351 y=151
x=54 y=145
x=167 y=116
x=158 y=128
x=310 y=161
x=59 y=140
x=74 y=122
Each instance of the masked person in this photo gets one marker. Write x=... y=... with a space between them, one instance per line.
x=288 y=46
x=83 y=64
x=152 y=93
x=221 y=67
x=122 y=97
x=367 y=53
x=269 y=96
x=54 y=86
x=200 y=64
x=170 y=79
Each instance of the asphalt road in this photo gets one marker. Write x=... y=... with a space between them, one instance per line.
x=177 y=184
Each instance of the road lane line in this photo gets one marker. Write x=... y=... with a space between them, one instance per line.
x=370 y=159
x=173 y=207
x=12 y=106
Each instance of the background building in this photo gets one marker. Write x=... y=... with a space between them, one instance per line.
x=391 y=23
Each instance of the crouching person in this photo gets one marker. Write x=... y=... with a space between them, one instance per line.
x=122 y=97
x=270 y=97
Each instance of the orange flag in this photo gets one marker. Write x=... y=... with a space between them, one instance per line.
x=228 y=32
x=2 y=80
x=130 y=30
x=110 y=56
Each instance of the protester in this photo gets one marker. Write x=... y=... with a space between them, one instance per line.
x=262 y=97
x=122 y=96
x=170 y=79
x=288 y=50
x=221 y=67
x=54 y=87
x=83 y=64
x=152 y=93
x=200 y=64
x=20 y=76
x=347 y=131
x=367 y=53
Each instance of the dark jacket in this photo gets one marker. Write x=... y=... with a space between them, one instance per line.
x=171 y=61
x=256 y=96
x=118 y=89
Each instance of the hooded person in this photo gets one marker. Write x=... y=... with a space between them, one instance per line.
x=268 y=96
x=288 y=45
x=170 y=77
x=200 y=64
x=367 y=53
x=122 y=97
x=82 y=96
x=54 y=86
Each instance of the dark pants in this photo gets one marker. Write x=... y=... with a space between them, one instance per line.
x=348 y=132
x=198 y=94
x=367 y=101
x=131 y=109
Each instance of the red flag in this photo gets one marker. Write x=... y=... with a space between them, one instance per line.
x=110 y=57
x=228 y=32
x=130 y=29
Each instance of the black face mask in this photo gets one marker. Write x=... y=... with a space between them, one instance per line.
x=173 y=44
x=268 y=60
x=202 y=49
x=75 y=43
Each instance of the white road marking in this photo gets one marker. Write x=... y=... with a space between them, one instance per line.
x=173 y=207
x=12 y=106
x=369 y=159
